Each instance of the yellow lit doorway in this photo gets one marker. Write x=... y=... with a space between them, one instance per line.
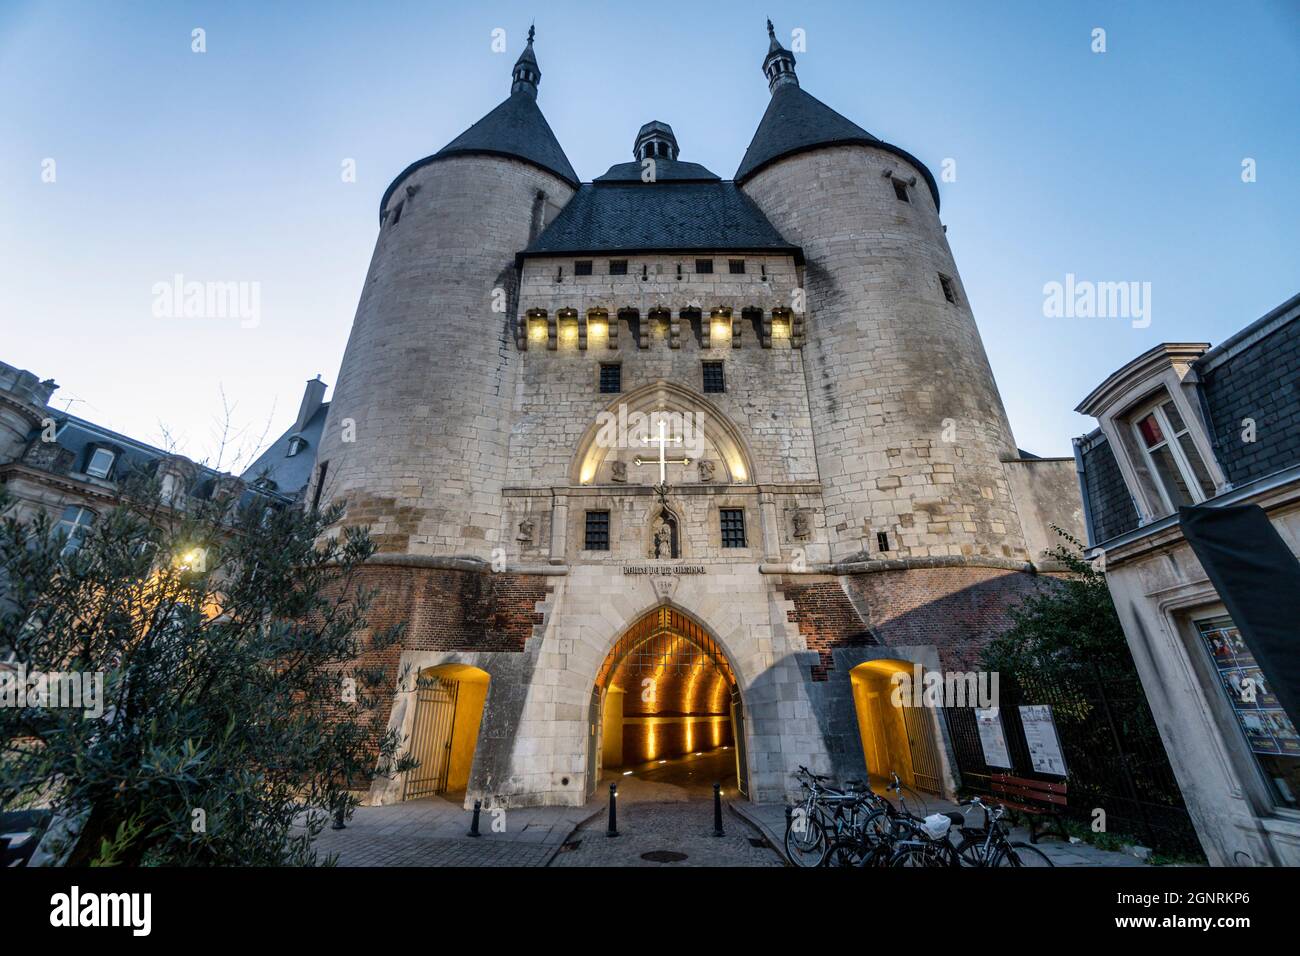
x=894 y=739
x=449 y=703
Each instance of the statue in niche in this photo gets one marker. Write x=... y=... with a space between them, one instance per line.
x=526 y=530
x=706 y=470
x=618 y=471
x=665 y=537
x=802 y=525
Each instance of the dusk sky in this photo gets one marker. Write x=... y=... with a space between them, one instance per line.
x=1122 y=166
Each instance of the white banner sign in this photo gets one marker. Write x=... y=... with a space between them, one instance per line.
x=992 y=740
x=1040 y=735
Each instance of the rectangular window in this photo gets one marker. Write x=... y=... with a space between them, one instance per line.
x=611 y=378
x=1179 y=470
x=597 y=537
x=713 y=380
x=733 y=527
x=736 y=267
x=1269 y=732
x=582 y=267
x=75 y=523
x=618 y=267
x=703 y=267
x=101 y=463
x=900 y=190
x=949 y=290
x=882 y=541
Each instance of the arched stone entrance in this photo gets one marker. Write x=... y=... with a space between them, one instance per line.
x=449 y=701
x=665 y=701
x=898 y=739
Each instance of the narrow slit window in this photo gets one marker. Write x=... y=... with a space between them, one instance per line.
x=949 y=290
x=900 y=190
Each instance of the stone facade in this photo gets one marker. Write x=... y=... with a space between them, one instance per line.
x=857 y=431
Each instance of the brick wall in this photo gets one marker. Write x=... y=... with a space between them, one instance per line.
x=827 y=619
x=956 y=609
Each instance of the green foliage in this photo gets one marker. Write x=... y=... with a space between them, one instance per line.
x=1064 y=630
x=226 y=638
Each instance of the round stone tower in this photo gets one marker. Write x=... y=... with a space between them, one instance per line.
x=416 y=439
x=909 y=426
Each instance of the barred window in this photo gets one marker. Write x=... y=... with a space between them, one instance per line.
x=736 y=267
x=713 y=379
x=611 y=377
x=733 y=527
x=704 y=266
x=618 y=267
x=582 y=267
x=597 y=538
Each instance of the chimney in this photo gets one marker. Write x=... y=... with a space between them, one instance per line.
x=311 y=403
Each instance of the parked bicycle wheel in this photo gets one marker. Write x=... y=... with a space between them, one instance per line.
x=805 y=842
x=1021 y=854
x=924 y=855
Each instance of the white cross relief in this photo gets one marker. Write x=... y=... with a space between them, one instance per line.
x=662 y=441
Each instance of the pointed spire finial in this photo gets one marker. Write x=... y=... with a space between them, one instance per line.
x=778 y=65
x=526 y=74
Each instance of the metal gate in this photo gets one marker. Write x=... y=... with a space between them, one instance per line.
x=593 y=739
x=920 y=743
x=435 y=720
x=738 y=735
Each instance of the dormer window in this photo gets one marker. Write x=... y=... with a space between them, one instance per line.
x=1171 y=454
x=100 y=463
x=296 y=445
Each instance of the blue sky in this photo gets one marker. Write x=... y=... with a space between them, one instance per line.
x=225 y=166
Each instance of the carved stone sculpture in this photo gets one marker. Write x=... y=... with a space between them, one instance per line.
x=706 y=470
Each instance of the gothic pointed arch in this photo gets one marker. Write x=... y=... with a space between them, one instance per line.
x=613 y=434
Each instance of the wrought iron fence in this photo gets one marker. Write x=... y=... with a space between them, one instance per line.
x=1112 y=748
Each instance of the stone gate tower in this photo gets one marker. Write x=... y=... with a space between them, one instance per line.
x=835 y=497
x=911 y=432
x=426 y=379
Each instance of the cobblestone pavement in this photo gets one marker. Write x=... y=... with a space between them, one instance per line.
x=668 y=806
x=433 y=832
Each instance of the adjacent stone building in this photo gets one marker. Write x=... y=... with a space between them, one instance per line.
x=663 y=463
x=1189 y=433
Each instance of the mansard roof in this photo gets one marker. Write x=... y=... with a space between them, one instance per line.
x=796 y=122
x=625 y=215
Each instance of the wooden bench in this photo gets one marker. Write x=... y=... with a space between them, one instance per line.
x=1035 y=799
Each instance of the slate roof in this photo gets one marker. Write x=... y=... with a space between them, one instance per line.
x=515 y=128
x=290 y=474
x=796 y=121
x=666 y=170
x=664 y=216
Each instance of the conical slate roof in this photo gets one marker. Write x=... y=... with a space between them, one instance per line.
x=515 y=128
x=796 y=121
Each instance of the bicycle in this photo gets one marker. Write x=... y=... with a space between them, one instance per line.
x=991 y=845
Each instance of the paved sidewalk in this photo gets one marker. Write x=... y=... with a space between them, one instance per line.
x=433 y=832
x=770 y=819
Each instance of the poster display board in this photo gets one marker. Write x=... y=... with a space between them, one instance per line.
x=1040 y=734
x=993 y=741
x=1265 y=724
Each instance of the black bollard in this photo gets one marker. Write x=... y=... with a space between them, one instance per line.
x=717 y=810
x=613 y=811
x=340 y=811
x=473 y=824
